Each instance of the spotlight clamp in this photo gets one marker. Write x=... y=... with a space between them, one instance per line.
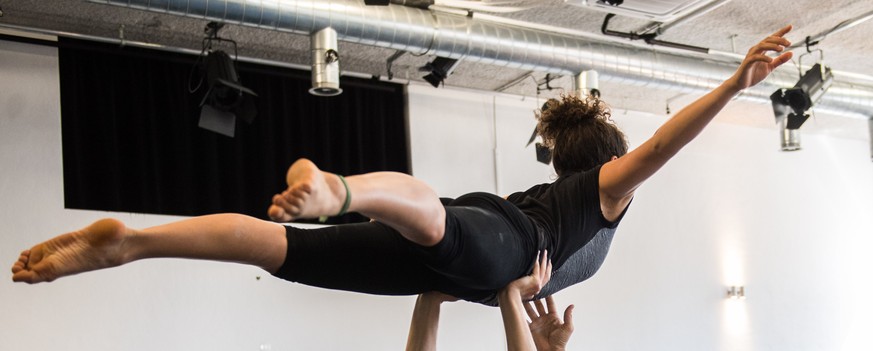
x=211 y=32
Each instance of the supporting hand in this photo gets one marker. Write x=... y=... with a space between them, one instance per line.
x=528 y=286
x=549 y=332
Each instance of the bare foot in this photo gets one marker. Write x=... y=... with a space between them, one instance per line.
x=311 y=193
x=97 y=246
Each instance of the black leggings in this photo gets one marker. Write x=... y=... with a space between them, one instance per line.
x=488 y=243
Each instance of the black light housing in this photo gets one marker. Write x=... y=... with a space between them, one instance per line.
x=790 y=105
x=440 y=69
x=544 y=154
x=226 y=98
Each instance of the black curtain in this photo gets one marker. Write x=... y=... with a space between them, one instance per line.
x=131 y=141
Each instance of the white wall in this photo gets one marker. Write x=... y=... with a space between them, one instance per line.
x=794 y=228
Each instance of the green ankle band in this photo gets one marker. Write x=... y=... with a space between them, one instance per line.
x=348 y=197
x=346 y=204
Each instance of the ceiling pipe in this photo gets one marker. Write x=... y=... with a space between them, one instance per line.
x=814 y=39
x=461 y=37
x=851 y=78
x=662 y=27
x=649 y=38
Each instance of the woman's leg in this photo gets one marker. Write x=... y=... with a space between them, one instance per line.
x=402 y=202
x=109 y=243
x=369 y=258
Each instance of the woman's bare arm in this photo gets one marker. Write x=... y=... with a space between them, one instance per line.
x=620 y=177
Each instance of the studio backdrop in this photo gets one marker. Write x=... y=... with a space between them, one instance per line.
x=131 y=141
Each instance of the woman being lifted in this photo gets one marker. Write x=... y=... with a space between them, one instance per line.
x=469 y=247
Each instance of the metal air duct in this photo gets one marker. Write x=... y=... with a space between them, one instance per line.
x=461 y=37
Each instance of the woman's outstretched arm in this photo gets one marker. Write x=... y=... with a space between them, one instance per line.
x=621 y=177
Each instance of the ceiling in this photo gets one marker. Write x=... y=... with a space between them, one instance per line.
x=732 y=27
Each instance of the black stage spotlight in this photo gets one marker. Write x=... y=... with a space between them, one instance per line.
x=544 y=155
x=440 y=69
x=799 y=99
x=226 y=98
x=790 y=105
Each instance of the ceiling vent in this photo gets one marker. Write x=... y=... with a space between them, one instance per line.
x=658 y=10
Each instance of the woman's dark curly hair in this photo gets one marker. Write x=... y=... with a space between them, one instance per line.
x=579 y=133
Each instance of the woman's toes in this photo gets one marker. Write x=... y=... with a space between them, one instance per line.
x=17 y=267
x=276 y=213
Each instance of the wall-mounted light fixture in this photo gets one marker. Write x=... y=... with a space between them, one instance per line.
x=325 y=63
x=736 y=293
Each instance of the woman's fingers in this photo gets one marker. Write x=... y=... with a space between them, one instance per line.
x=775 y=42
x=568 y=318
x=765 y=46
x=778 y=41
x=548 y=272
x=531 y=313
x=782 y=31
x=779 y=60
x=550 y=303
x=536 y=267
x=541 y=309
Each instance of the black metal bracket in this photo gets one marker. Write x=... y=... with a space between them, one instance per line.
x=548 y=87
x=211 y=32
x=810 y=44
x=390 y=62
x=649 y=38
